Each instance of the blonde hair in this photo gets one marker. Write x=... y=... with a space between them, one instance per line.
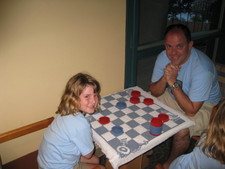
x=70 y=100
x=214 y=144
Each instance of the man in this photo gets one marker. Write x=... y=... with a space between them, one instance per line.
x=185 y=79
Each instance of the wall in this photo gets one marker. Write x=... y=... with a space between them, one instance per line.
x=42 y=44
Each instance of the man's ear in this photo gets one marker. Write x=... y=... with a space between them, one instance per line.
x=190 y=44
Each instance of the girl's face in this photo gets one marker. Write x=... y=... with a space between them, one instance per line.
x=88 y=100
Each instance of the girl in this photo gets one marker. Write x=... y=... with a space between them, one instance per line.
x=210 y=152
x=67 y=143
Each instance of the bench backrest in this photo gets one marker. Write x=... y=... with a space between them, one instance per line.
x=25 y=130
x=28 y=161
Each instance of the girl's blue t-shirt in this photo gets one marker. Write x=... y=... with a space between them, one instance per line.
x=65 y=140
x=197 y=75
x=196 y=160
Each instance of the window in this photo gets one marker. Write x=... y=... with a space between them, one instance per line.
x=199 y=15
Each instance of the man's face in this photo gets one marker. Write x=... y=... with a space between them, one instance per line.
x=177 y=48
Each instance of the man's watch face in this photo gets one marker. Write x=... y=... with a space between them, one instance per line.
x=176 y=85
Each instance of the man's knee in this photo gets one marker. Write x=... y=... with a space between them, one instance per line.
x=184 y=133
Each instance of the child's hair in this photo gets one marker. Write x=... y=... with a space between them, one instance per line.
x=214 y=144
x=70 y=99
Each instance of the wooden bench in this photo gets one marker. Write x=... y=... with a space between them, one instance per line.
x=28 y=161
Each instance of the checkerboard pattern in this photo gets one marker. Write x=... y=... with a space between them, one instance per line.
x=134 y=119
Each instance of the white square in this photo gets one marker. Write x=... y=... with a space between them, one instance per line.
x=127 y=110
x=112 y=117
x=140 y=120
x=116 y=95
x=97 y=115
x=125 y=127
x=103 y=101
x=141 y=105
x=140 y=139
x=108 y=136
x=155 y=107
x=154 y=114
x=108 y=126
x=112 y=109
x=141 y=112
x=171 y=124
x=114 y=102
x=125 y=118
x=95 y=124
x=129 y=103
x=140 y=129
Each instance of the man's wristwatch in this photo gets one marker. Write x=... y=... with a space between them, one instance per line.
x=174 y=86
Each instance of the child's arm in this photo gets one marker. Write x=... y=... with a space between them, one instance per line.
x=88 y=156
x=93 y=162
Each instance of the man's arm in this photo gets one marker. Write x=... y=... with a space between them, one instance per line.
x=190 y=108
x=158 y=88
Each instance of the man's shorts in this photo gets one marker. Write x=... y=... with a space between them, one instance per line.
x=201 y=119
x=80 y=166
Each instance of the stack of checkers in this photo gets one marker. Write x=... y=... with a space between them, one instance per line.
x=135 y=97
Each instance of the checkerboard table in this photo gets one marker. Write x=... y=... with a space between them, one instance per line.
x=134 y=119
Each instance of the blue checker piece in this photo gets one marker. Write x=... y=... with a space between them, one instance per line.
x=117 y=130
x=121 y=105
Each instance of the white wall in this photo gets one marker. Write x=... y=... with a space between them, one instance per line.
x=42 y=44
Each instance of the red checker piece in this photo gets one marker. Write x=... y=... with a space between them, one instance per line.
x=156 y=122
x=135 y=93
x=164 y=117
x=156 y=125
x=148 y=101
x=135 y=100
x=104 y=120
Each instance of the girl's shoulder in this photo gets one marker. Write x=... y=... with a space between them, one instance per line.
x=77 y=118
